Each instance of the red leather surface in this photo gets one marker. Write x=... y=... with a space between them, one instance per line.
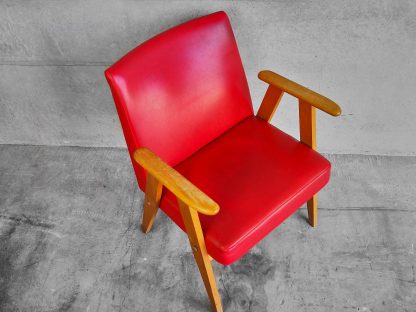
x=184 y=95
x=258 y=175
x=181 y=89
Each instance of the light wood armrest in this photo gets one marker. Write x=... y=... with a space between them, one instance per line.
x=302 y=93
x=181 y=187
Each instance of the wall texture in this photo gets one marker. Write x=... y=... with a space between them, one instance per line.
x=359 y=53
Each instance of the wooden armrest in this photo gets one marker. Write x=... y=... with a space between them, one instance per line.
x=175 y=182
x=300 y=92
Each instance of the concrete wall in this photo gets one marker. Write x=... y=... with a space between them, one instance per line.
x=359 y=53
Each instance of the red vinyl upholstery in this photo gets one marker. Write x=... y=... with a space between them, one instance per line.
x=181 y=89
x=258 y=175
x=184 y=95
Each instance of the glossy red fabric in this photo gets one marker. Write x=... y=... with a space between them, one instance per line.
x=181 y=89
x=258 y=175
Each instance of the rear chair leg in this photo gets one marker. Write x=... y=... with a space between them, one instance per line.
x=313 y=210
x=196 y=239
x=151 y=202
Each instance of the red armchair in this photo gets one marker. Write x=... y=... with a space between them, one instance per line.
x=225 y=176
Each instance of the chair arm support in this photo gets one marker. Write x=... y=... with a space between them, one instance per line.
x=300 y=92
x=181 y=187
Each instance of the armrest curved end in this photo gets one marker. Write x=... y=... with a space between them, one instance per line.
x=336 y=111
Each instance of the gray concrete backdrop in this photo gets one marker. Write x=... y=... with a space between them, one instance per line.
x=359 y=53
x=69 y=241
x=69 y=215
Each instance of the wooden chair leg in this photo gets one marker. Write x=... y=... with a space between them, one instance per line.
x=307 y=127
x=313 y=210
x=151 y=202
x=196 y=239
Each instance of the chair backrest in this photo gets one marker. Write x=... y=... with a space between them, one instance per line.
x=181 y=89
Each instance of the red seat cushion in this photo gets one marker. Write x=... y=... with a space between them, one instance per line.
x=258 y=175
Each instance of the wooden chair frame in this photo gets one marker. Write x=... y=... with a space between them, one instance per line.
x=192 y=200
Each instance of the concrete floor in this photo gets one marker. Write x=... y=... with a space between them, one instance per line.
x=69 y=241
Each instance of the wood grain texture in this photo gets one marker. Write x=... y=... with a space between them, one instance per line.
x=307 y=124
x=270 y=103
x=151 y=202
x=300 y=92
x=313 y=210
x=307 y=128
x=175 y=182
x=196 y=239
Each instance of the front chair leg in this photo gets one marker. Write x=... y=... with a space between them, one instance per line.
x=196 y=239
x=151 y=202
x=313 y=210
